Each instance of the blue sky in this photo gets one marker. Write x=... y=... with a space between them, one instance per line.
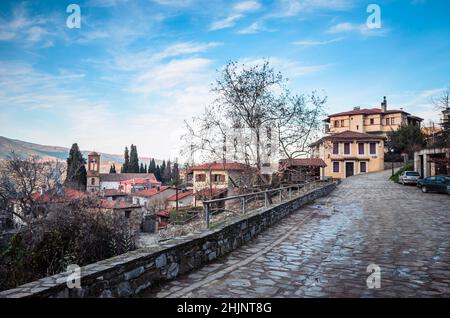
x=136 y=69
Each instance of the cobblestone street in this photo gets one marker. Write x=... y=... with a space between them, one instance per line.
x=324 y=252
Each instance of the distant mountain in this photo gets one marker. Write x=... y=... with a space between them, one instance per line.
x=28 y=149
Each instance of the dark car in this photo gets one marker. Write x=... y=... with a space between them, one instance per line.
x=435 y=184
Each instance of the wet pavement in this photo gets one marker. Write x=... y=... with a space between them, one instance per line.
x=323 y=250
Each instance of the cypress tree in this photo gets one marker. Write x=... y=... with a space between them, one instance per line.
x=161 y=171
x=152 y=166
x=76 y=171
x=167 y=173
x=126 y=163
x=134 y=161
x=112 y=169
x=145 y=169
x=175 y=174
x=141 y=168
x=158 y=173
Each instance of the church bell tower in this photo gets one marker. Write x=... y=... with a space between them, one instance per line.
x=93 y=172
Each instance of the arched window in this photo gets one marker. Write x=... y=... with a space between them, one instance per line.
x=92 y=181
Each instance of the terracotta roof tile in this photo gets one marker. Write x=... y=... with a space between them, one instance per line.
x=303 y=162
x=181 y=195
x=220 y=166
x=150 y=192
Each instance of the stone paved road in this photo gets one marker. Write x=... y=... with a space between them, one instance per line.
x=315 y=253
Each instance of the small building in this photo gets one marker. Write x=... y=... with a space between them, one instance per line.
x=184 y=198
x=349 y=153
x=138 y=184
x=153 y=199
x=300 y=170
x=431 y=162
x=218 y=179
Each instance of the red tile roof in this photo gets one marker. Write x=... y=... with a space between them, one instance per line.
x=348 y=136
x=150 y=192
x=67 y=195
x=303 y=162
x=107 y=204
x=111 y=193
x=372 y=111
x=181 y=195
x=220 y=166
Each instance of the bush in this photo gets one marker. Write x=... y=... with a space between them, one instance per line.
x=400 y=171
x=71 y=234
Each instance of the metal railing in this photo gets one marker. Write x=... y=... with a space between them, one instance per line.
x=255 y=200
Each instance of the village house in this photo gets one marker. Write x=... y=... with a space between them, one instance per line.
x=300 y=170
x=349 y=153
x=379 y=121
x=216 y=180
x=97 y=181
x=153 y=199
x=184 y=198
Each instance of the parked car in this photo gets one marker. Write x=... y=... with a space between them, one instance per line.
x=435 y=184
x=409 y=177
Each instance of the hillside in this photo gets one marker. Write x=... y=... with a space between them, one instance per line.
x=46 y=152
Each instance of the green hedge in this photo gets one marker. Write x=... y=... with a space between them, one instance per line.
x=395 y=177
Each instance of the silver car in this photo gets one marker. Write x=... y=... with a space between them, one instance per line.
x=409 y=177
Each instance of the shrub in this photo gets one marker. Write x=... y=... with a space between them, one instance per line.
x=72 y=233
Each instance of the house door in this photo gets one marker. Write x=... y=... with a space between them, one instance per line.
x=349 y=169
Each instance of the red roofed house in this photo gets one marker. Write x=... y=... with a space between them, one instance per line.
x=299 y=170
x=138 y=184
x=185 y=199
x=216 y=179
x=378 y=121
x=349 y=153
x=153 y=199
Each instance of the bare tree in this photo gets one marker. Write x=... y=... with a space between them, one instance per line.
x=20 y=181
x=254 y=117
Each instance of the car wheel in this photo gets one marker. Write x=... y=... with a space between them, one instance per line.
x=424 y=189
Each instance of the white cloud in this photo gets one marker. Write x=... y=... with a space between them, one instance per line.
x=347 y=27
x=238 y=11
x=176 y=73
x=289 y=68
x=255 y=27
x=308 y=43
x=289 y=8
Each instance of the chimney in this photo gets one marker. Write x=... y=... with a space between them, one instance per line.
x=384 y=105
x=356 y=108
x=157 y=188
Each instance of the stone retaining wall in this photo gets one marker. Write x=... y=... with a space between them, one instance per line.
x=128 y=274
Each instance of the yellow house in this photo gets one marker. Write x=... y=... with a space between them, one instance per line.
x=349 y=153
x=378 y=121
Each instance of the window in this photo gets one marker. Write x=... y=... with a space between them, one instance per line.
x=335 y=166
x=127 y=214
x=372 y=121
x=363 y=167
x=392 y=121
x=387 y=121
x=200 y=177
x=361 y=148
x=373 y=148
x=92 y=181
x=357 y=127
x=335 y=148
x=218 y=178
x=336 y=123
x=342 y=123
x=346 y=148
